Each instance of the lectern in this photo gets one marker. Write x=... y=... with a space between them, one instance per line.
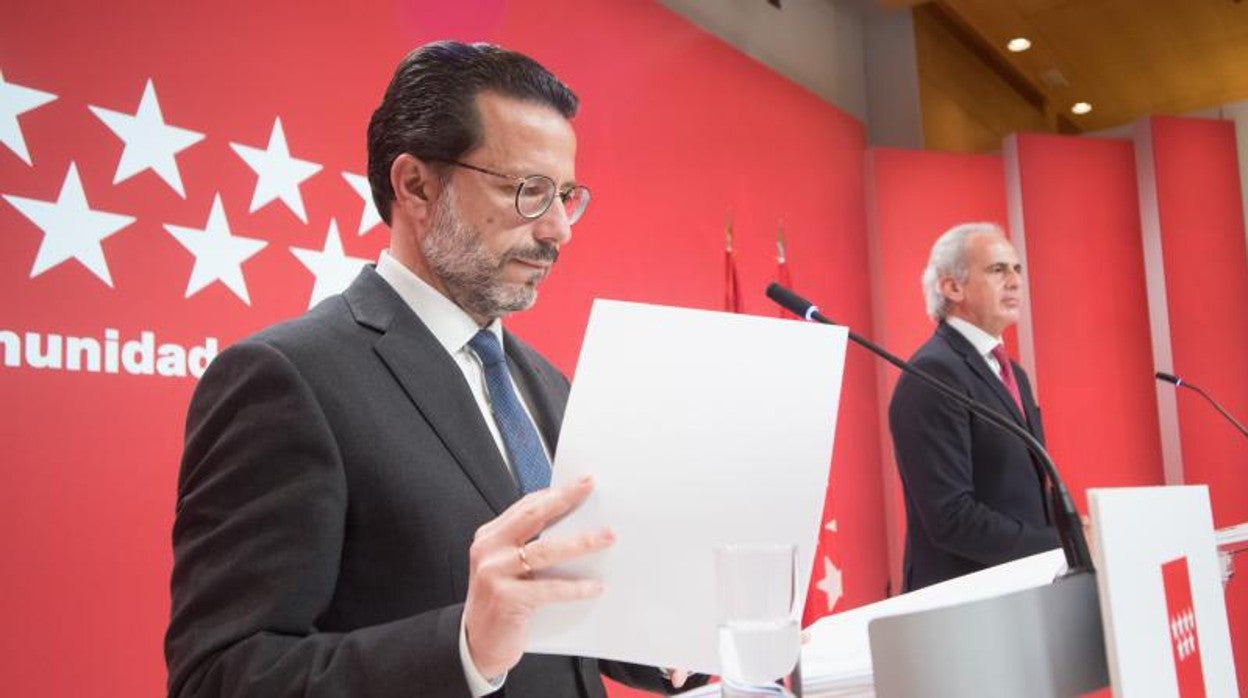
x=1043 y=641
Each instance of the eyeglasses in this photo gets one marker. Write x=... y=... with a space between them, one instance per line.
x=535 y=193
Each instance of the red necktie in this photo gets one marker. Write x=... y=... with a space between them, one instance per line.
x=1007 y=377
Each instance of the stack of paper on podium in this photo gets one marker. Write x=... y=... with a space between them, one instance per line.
x=1232 y=541
x=1232 y=538
x=836 y=659
x=1232 y=534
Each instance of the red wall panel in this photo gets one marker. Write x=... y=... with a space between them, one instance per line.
x=1195 y=210
x=1089 y=312
x=1206 y=286
x=913 y=197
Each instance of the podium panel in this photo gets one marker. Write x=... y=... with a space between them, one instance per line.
x=1166 y=627
x=1043 y=642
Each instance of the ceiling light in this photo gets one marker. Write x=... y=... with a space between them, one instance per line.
x=1081 y=108
x=1018 y=44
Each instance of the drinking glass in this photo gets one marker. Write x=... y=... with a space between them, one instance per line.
x=757 y=617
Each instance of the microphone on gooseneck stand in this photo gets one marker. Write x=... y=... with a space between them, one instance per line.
x=1180 y=383
x=1069 y=525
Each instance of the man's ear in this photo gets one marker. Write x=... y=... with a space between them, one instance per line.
x=415 y=184
x=951 y=289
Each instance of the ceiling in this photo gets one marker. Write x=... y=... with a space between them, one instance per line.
x=1128 y=58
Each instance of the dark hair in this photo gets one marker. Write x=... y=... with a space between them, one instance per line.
x=429 y=109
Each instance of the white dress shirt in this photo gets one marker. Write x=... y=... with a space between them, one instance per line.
x=983 y=342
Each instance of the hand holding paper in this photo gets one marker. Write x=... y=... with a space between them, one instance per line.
x=502 y=590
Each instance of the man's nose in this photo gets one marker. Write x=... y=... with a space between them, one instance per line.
x=553 y=226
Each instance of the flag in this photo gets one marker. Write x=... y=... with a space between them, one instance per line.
x=732 y=287
x=827 y=583
x=782 y=265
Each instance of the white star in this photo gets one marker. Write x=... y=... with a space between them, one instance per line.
x=219 y=256
x=831 y=584
x=70 y=228
x=279 y=174
x=360 y=184
x=15 y=100
x=333 y=269
x=151 y=144
x=831 y=525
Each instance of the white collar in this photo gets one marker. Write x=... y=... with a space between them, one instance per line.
x=983 y=342
x=449 y=323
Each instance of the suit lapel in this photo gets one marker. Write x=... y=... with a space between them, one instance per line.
x=435 y=384
x=981 y=369
x=1029 y=403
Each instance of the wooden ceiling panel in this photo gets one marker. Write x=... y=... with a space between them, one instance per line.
x=1032 y=7
x=1129 y=58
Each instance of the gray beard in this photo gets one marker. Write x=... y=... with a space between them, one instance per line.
x=470 y=273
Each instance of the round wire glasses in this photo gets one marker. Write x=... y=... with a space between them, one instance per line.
x=536 y=192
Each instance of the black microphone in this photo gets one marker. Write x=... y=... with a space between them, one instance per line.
x=1180 y=383
x=1069 y=525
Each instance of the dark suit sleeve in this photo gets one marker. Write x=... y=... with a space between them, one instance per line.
x=257 y=538
x=932 y=445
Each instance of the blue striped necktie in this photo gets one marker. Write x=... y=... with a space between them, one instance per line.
x=524 y=447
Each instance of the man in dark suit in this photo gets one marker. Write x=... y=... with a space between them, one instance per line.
x=352 y=516
x=974 y=496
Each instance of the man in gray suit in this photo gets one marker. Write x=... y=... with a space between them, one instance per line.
x=352 y=516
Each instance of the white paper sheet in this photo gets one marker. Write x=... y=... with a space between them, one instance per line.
x=700 y=428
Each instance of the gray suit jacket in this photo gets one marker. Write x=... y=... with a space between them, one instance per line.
x=335 y=470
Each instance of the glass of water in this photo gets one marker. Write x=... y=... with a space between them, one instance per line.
x=757 y=617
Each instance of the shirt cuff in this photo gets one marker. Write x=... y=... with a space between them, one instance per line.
x=478 y=685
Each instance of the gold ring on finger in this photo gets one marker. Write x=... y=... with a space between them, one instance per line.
x=524 y=562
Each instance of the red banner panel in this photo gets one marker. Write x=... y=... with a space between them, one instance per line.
x=913 y=197
x=1089 y=310
x=1193 y=210
x=1201 y=219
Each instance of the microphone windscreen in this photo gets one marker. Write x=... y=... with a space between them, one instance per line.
x=788 y=300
